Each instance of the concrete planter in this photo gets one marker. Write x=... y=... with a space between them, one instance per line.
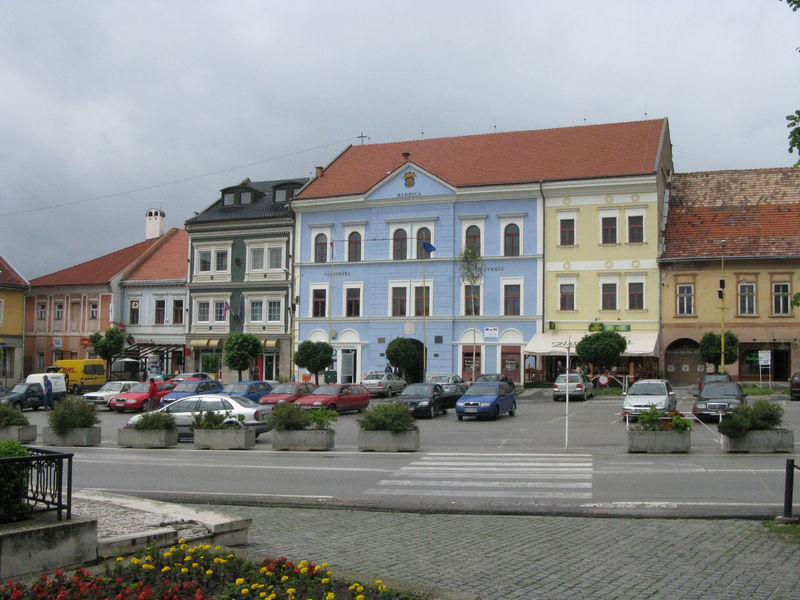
x=306 y=439
x=659 y=442
x=24 y=434
x=147 y=438
x=771 y=440
x=224 y=439
x=388 y=441
x=80 y=436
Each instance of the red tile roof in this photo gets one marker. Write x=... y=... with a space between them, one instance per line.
x=9 y=276
x=756 y=211
x=167 y=260
x=96 y=271
x=583 y=152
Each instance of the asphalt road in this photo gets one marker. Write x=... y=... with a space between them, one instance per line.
x=538 y=462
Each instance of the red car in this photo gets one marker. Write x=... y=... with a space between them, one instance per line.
x=337 y=396
x=286 y=392
x=136 y=399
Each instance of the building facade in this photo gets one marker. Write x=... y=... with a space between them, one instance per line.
x=12 y=305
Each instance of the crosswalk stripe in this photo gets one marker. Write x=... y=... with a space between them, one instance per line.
x=480 y=494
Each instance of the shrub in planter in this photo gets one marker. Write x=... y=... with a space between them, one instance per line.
x=14 y=425
x=155 y=420
x=13 y=481
x=11 y=417
x=653 y=419
x=217 y=420
x=288 y=416
x=762 y=415
x=72 y=413
x=392 y=416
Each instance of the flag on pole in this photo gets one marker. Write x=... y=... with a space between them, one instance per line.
x=333 y=250
x=428 y=246
x=227 y=308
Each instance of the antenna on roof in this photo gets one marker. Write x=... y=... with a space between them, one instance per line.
x=421 y=131
x=362 y=137
x=645 y=111
x=584 y=117
x=494 y=124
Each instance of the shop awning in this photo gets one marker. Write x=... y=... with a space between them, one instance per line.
x=269 y=342
x=640 y=343
x=205 y=343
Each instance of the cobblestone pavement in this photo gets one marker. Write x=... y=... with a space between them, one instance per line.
x=493 y=557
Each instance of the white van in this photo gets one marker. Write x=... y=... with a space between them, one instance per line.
x=57 y=379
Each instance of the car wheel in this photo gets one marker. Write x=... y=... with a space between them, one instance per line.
x=444 y=410
x=332 y=407
x=76 y=390
x=513 y=410
x=495 y=413
x=432 y=411
x=18 y=406
x=460 y=417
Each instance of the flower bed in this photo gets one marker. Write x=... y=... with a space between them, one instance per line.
x=202 y=572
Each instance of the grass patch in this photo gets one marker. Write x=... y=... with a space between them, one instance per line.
x=608 y=391
x=789 y=532
x=758 y=390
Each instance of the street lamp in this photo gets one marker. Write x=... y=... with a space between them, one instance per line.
x=293 y=278
x=721 y=294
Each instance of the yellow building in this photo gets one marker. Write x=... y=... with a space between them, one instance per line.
x=740 y=227
x=12 y=323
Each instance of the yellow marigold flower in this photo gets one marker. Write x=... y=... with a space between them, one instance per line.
x=239 y=581
x=302 y=563
x=284 y=578
x=262 y=595
x=325 y=580
x=187 y=558
x=360 y=589
x=135 y=560
x=330 y=596
x=324 y=565
x=169 y=554
x=181 y=541
x=148 y=558
x=209 y=572
x=360 y=597
x=184 y=570
x=165 y=569
x=291 y=591
x=245 y=591
x=304 y=571
x=217 y=547
x=120 y=559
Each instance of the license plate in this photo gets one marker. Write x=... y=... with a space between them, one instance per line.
x=470 y=410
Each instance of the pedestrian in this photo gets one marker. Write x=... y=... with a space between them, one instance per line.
x=48 y=393
x=152 y=393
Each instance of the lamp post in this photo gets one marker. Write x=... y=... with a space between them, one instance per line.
x=427 y=247
x=568 y=346
x=721 y=293
x=290 y=276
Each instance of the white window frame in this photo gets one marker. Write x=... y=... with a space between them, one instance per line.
x=41 y=311
x=480 y=287
x=415 y=229
x=265 y=272
x=608 y=213
x=636 y=212
x=411 y=241
x=314 y=231
x=740 y=285
x=319 y=286
x=566 y=215
x=212 y=300
x=415 y=283
x=359 y=285
x=94 y=309
x=505 y=222
x=409 y=306
x=606 y=279
x=265 y=324
x=679 y=297
x=480 y=223
x=787 y=296
x=567 y=280
x=58 y=313
x=629 y=279
x=360 y=229
x=520 y=281
x=213 y=274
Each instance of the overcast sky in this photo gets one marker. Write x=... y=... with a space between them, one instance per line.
x=109 y=108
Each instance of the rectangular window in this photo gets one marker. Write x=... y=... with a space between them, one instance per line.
x=318 y=303
x=399 y=302
x=59 y=311
x=257 y=310
x=685 y=299
x=93 y=311
x=353 y=302
x=635 y=229
x=636 y=295
x=245 y=198
x=228 y=198
x=472 y=300
x=256 y=259
x=161 y=312
x=221 y=257
x=609 y=296
x=177 y=312
x=422 y=301
x=203 y=309
x=275 y=258
x=511 y=303
x=566 y=296
x=780 y=299
x=219 y=310
x=609 y=226
x=274 y=311
x=747 y=298
x=133 y=313
x=204 y=260
x=566 y=235
x=42 y=312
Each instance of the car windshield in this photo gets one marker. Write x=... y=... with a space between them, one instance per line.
x=140 y=388
x=284 y=388
x=185 y=405
x=417 y=389
x=245 y=402
x=720 y=390
x=374 y=377
x=324 y=390
x=19 y=388
x=647 y=388
x=572 y=378
x=235 y=388
x=186 y=386
x=112 y=386
x=482 y=389
x=439 y=379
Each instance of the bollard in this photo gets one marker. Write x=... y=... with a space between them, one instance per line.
x=788 y=492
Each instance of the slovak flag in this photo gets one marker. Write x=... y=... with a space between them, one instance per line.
x=227 y=307
x=333 y=250
x=428 y=246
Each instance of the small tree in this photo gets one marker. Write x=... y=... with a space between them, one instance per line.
x=241 y=351
x=108 y=345
x=402 y=353
x=711 y=349
x=601 y=349
x=209 y=362
x=314 y=356
x=472 y=269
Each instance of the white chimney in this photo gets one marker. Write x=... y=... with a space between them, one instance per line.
x=154 y=223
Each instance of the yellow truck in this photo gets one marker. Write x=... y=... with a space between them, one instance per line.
x=82 y=374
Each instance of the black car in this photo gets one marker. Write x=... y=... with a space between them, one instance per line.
x=425 y=399
x=712 y=378
x=794 y=387
x=24 y=395
x=493 y=377
x=718 y=399
x=453 y=387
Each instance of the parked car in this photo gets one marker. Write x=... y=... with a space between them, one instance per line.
x=184 y=409
x=189 y=375
x=287 y=392
x=579 y=387
x=380 y=383
x=337 y=396
x=712 y=378
x=192 y=387
x=136 y=398
x=108 y=391
x=487 y=399
x=24 y=395
x=58 y=380
x=252 y=390
x=794 y=386
x=717 y=399
x=425 y=399
x=453 y=386
x=645 y=393
x=493 y=377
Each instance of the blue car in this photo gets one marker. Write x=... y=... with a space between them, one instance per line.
x=487 y=399
x=249 y=389
x=192 y=387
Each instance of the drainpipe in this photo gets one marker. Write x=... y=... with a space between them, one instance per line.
x=544 y=240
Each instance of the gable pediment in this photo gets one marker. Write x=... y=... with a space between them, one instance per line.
x=409 y=181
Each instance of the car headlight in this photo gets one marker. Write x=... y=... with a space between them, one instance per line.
x=317 y=403
x=486 y=403
x=423 y=403
x=700 y=406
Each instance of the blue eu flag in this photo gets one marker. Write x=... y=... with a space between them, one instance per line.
x=428 y=246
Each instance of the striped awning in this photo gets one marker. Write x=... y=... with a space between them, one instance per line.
x=270 y=342
x=205 y=343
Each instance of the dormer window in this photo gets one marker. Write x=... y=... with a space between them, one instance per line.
x=246 y=197
x=236 y=198
x=228 y=199
x=284 y=193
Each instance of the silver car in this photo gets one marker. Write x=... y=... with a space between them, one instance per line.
x=646 y=393
x=383 y=384
x=254 y=415
x=579 y=387
x=108 y=391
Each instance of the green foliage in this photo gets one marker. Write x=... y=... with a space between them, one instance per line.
x=402 y=353
x=794 y=132
x=72 y=413
x=601 y=349
x=321 y=418
x=155 y=420
x=392 y=416
x=216 y=420
x=289 y=416
x=13 y=481
x=653 y=419
x=711 y=348
x=11 y=417
x=108 y=345
x=241 y=351
x=314 y=356
x=209 y=362
x=762 y=415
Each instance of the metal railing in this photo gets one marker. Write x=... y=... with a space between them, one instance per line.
x=49 y=481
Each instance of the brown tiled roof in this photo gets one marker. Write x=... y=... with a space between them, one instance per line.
x=166 y=261
x=9 y=275
x=584 y=152
x=757 y=212
x=96 y=271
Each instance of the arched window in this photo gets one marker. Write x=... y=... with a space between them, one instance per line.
x=423 y=235
x=321 y=248
x=400 y=245
x=511 y=240
x=474 y=238
x=354 y=247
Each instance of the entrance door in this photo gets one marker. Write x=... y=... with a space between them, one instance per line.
x=348 y=366
x=468 y=361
